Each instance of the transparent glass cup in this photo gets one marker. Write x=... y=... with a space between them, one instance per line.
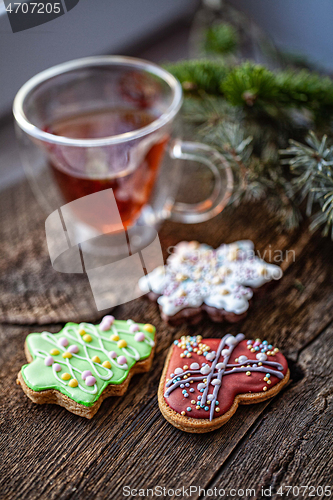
x=139 y=165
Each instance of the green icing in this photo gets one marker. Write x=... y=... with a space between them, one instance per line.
x=39 y=377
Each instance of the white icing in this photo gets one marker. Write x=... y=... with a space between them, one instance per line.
x=216 y=381
x=178 y=371
x=197 y=274
x=225 y=352
x=205 y=369
x=210 y=356
x=201 y=386
x=210 y=397
x=261 y=356
x=242 y=359
x=195 y=366
x=220 y=366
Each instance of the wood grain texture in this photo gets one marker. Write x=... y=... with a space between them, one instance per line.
x=49 y=453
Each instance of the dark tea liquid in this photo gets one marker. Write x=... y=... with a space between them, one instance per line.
x=82 y=171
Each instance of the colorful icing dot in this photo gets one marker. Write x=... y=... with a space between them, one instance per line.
x=96 y=359
x=54 y=352
x=206 y=408
x=49 y=361
x=73 y=383
x=121 y=360
x=65 y=376
x=67 y=355
x=194 y=366
x=90 y=380
x=106 y=323
x=87 y=337
x=191 y=390
x=268 y=375
x=57 y=367
x=82 y=331
x=149 y=328
x=217 y=409
x=248 y=373
x=189 y=408
x=115 y=337
x=139 y=337
x=73 y=349
x=134 y=328
x=183 y=413
x=112 y=354
x=63 y=342
x=264 y=388
x=122 y=343
x=86 y=374
x=178 y=371
x=106 y=364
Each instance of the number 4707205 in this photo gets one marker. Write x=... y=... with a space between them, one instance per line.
x=304 y=491
x=33 y=7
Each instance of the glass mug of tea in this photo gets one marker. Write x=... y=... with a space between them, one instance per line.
x=108 y=123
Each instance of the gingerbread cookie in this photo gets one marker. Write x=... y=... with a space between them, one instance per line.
x=204 y=380
x=83 y=364
x=198 y=279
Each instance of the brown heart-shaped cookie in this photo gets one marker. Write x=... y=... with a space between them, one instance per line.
x=204 y=380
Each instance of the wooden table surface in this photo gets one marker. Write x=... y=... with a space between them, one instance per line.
x=49 y=453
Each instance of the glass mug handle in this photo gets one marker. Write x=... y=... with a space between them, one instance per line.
x=223 y=182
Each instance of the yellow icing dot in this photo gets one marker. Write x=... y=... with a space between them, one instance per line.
x=182 y=355
x=67 y=355
x=198 y=407
x=82 y=331
x=114 y=336
x=199 y=352
x=189 y=355
x=65 y=376
x=185 y=367
x=87 y=337
x=264 y=388
x=149 y=328
x=248 y=373
x=54 y=352
x=122 y=343
x=260 y=364
x=183 y=413
x=265 y=379
x=73 y=383
x=268 y=381
x=96 y=359
x=217 y=409
x=106 y=364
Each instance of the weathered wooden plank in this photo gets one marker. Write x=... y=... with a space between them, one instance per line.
x=291 y=444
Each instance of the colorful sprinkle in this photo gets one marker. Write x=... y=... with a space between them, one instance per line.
x=95 y=359
x=139 y=337
x=54 y=352
x=87 y=337
x=90 y=380
x=49 y=361
x=149 y=328
x=73 y=383
x=121 y=360
x=112 y=354
x=63 y=342
x=115 y=337
x=86 y=373
x=106 y=364
x=122 y=343
x=73 y=348
x=57 y=367
x=65 y=376
x=67 y=355
x=134 y=328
